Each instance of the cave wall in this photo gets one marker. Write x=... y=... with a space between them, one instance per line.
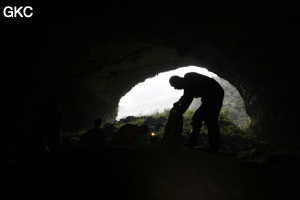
x=90 y=59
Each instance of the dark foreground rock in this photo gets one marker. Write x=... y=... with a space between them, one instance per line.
x=146 y=172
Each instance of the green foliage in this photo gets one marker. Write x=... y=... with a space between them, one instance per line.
x=233 y=121
x=157 y=114
x=234 y=104
x=68 y=138
x=160 y=133
x=138 y=122
x=234 y=137
x=187 y=120
x=189 y=114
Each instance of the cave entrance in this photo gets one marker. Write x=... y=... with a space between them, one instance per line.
x=155 y=95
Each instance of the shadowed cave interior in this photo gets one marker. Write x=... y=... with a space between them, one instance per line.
x=90 y=59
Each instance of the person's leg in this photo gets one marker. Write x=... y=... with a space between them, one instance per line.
x=197 y=124
x=213 y=135
x=194 y=134
x=211 y=122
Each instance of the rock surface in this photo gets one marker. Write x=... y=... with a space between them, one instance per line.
x=147 y=172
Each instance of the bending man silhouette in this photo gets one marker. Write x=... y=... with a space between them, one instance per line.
x=196 y=85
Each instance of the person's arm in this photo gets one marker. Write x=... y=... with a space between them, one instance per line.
x=183 y=103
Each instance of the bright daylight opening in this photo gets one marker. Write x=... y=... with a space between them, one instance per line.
x=156 y=94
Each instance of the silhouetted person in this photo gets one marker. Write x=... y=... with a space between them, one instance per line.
x=51 y=122
x=94 y=136
x=196 y=85
x=128 y=134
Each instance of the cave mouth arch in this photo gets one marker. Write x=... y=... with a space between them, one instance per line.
x=111 y=67
x=155 y=95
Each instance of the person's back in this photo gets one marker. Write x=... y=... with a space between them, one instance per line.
x=95 y=137
x=198 y=85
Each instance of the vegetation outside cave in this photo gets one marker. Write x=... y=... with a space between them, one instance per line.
x=234 y=124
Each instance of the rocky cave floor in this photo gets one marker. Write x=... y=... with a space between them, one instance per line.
x=151 y=172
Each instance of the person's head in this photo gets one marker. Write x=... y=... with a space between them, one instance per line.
x=176 y=82
x=98 y=122
x=143 y=129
